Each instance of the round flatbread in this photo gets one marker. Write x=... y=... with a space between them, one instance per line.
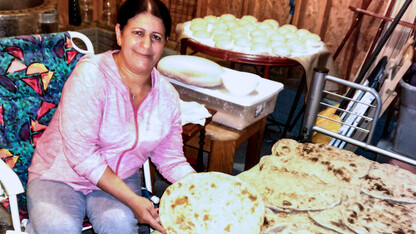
x=294 y=222
x=327 y=162
x=287 y=147
x=331 y=219
x=192 y=70
x=211 y=202
x=389 y=182
x=373 y=215
x=285 y=190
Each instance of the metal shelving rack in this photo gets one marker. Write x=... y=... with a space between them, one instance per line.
x=315 y=102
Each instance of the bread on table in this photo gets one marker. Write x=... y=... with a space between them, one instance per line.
x=191 y=70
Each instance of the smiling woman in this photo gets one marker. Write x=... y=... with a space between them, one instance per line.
x=115 y=112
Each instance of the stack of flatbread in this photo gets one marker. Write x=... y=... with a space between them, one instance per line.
x=315 y=188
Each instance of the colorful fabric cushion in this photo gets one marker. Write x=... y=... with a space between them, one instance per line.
x=33 y=70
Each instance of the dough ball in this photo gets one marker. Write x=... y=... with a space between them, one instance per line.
x=274 y=44
x=238 y=35
x=198 y=27
x=303 y=32
x=237 y=29
x=270 y=32
x=243 y=42
x=291 y=36
x=220 y=37
x=243 y=22
x=227 y=17
x=218 y=31
x=264 y=26
x=222 y=42
x=231 y=23
x=250 y=26
x=277 y=37
x=312 y=43
x=257 y=32
x=312 y=36
x=312 y=40
x=290 y=27
x=281 y=51
x=201 y=34
x=198 y=21
x=220 y=25
x=283 y=30
x=297 y=46
x=210 y=19
x=259 y=48
x=273 y=23
x=249 y=18
x=259 y=39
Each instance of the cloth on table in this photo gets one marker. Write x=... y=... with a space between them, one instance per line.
x=193 y=112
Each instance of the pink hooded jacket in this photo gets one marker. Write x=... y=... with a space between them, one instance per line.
x=95 y=125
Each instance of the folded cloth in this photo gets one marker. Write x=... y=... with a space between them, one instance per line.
x=193 y=112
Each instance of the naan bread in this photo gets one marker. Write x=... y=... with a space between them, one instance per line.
x=287 y=190
x=386 y=181
x=294 y=222
x=287 y=148
x=373 y=215
x=211 y=202
x=327 y=162
x=192 y=70
x=331 y=218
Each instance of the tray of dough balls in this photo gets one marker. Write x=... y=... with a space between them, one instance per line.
x=248 y=35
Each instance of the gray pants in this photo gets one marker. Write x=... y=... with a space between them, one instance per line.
x=55 y=207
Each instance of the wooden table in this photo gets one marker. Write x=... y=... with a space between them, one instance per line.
x=221 y=143
x=190 y=130
x=252 y=59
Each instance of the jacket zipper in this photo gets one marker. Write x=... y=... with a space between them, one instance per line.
x=136 y=127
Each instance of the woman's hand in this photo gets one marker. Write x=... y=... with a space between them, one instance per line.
x=142 y=207
x=146 y=213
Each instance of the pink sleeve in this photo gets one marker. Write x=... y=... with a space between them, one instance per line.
x=79 y=123
x=168 y=155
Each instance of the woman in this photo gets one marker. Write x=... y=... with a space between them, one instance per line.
x=114 y=113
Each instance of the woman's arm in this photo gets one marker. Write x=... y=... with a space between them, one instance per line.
x=142 y=208
x=168 y=156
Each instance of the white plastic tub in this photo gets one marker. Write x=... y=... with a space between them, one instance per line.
x=233 y=111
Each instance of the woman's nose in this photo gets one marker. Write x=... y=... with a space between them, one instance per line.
x=146 y=42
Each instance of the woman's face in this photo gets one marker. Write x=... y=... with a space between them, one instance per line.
x=141 y=42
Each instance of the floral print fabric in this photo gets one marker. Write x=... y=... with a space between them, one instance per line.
x=33 y=70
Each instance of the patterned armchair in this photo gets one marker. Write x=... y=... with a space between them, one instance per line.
x=33 y=70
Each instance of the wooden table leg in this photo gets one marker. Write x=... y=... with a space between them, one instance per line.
x=254 y=146
x=221 y=156
x=224 y=141
x=200 y=157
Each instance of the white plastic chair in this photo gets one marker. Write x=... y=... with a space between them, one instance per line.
x=9 y=180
